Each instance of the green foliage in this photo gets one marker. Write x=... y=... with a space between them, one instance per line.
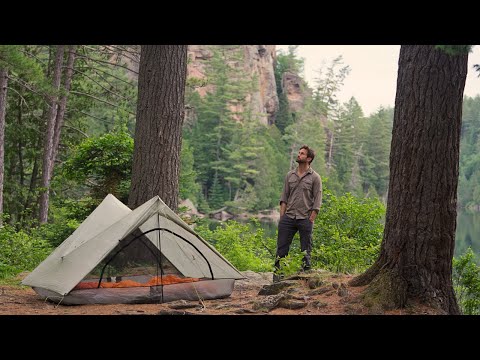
x=287 y=62
x=258 y=167
x=20 y=251
x=348 y=146
x=328 y=84
x=216 y=194
x=214 y=127
x=292 y=263
x=224 y=138
x=103 y=95
x=283 y=117
x=455 y=49
x=104 y=162
x=346 y=238
x=374 y=166
x=245 y=248
x=469 y=177
x=347 y=233
x=203 y=204
x=13 y=58
x=466 y=283
x=64 y=209
x=188 y=188
x=307 y=129
x=55 y=233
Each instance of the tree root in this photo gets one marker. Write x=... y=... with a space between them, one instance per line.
x=366 y=277
x=387 y=290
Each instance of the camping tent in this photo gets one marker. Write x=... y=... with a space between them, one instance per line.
x=142 y=256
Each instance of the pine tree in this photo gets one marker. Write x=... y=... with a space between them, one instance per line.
x=347 y=148
x=158 y=132
x=376 y=171
x=415 y=261
x=219 y=116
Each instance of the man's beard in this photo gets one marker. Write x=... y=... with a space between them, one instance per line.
x=301 y=161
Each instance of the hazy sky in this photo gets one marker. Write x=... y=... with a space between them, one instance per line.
x=373 y=71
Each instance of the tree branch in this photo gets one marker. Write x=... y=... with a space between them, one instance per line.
x=103 y=87
x=109 y=63
x=74 y=128
x=101 y=100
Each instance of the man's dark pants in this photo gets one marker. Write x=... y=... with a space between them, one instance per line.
x=287 y=229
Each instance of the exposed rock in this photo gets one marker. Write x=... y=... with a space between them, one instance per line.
x=353 y=309
x=253 y=280
x=182 y=304
x=294 y=88
x=221 y=215
x=292 y=304
x=314 y=282
x=244 y=311
x=270 y=215
x=174 y=312
x=319 y=304
x=258 y=60
x=320 y=291
x=342 y=290
x=269 y=302
x=276 y=288
x=192 y=210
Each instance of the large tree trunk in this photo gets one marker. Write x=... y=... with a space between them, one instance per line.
x=49 y=136
x=158 y=131
x=3 y=109
x=415 y=261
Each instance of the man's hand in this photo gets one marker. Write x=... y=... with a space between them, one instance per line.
x=312 y=217
x=283 y=208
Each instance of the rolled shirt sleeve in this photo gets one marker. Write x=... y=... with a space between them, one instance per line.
x=286 y=191
x=317 y=193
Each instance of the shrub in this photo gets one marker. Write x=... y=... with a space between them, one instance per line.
x=466 y=283
x=347 y=233
x=20 y=251
x=244 y=247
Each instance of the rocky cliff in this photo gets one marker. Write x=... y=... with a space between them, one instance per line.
x=295 y=89
x=258 y=60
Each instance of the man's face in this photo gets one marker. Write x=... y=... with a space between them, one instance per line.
x=302 y=156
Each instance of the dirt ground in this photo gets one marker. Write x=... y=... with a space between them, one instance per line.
x=332 y=296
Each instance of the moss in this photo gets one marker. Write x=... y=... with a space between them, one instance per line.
x=387 y=290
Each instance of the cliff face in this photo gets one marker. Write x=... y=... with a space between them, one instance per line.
x=294 y=88
x=258 y=60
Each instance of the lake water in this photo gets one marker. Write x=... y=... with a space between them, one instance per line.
x=467 y=234
x=269 y=227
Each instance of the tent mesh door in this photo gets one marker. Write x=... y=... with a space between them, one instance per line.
x=135 y=262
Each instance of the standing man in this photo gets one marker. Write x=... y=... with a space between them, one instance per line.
x=299 y=206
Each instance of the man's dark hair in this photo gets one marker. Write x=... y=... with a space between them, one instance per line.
x=310 y=153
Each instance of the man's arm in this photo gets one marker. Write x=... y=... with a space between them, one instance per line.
x=317 y=198
x=284 y=197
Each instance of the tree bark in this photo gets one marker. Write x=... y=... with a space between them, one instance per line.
x=48 y=144
x=415 y=261
x=62 y=106
x=158 y=131
x=3 y=109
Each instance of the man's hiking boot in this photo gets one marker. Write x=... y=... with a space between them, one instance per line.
x=277 y=278
x=305 y=268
